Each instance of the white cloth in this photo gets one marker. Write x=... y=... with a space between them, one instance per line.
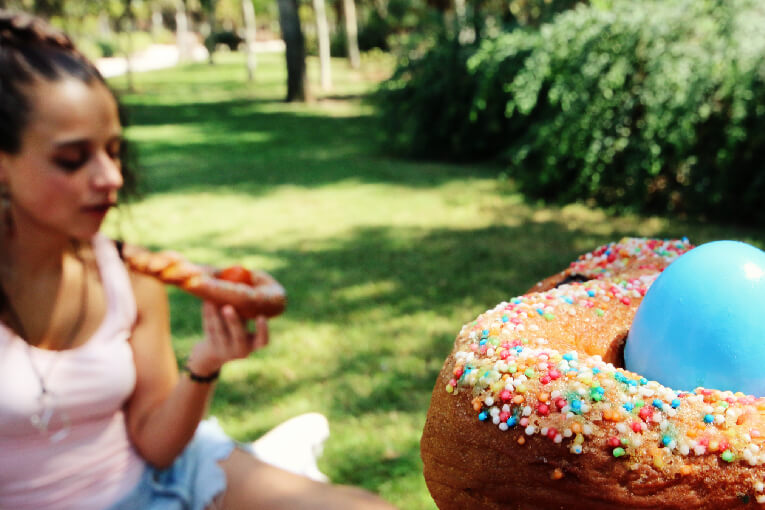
x=295 y=445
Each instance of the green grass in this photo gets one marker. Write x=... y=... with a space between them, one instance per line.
x=383 y=259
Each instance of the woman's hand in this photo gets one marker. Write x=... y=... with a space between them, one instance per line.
x=227 y=337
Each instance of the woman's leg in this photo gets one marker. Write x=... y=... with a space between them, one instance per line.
x=255 y=485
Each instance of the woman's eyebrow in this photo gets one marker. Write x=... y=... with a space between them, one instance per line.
x=76 y=142
x=61 y=144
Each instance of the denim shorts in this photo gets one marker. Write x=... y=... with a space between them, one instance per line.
x=192 y=482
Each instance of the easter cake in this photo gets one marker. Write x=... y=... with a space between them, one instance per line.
x=533 y=408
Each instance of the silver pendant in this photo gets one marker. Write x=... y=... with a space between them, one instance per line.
x=41 y=420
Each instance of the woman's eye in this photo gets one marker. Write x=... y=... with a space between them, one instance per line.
x=71 y=160
x=114 y=149
x=70 y=164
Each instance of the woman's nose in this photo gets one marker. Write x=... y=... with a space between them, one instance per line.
x=107 y=172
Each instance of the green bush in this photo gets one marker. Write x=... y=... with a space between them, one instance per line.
x=424 y=105
x=383 y=26
x=374 y=32
x=534 y=12
x=654 y=106
x=227 y=38
x=106 y=48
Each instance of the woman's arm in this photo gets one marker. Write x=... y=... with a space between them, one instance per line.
x=165 y=408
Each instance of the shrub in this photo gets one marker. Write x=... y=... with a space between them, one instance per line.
x=227 y=38
x=425 y=104
x=106 y=48
x=654 y=106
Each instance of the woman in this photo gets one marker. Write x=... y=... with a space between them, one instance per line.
x=93 y=411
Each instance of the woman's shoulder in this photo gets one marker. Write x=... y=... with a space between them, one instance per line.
x=148 y=291
x=145 y=286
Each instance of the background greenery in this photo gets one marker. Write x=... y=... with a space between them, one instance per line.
x=383 y=259
x=657 y=106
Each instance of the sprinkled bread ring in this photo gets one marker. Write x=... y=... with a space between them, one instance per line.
x=531 y=409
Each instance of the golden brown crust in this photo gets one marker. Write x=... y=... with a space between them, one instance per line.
x=471 y=464
x=265 y=297
x=611 y=453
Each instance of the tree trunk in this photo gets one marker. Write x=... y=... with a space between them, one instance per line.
x=297 y=86
x=104 y=29
x=127 y=23
x=322 y=32
x=156 y=21
x=210 y=6
x=248 y=11
x=478 y=21
x=182 y=31
x=129 y=60
x=352 y=33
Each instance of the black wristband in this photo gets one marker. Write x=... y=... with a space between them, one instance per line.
x=202 y=378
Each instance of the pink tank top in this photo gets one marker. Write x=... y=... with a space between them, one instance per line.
x=84 y=460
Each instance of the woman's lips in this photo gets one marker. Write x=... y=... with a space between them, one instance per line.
x=99 y=209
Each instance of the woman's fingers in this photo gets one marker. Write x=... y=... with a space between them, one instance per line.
x=213 y=325
x=235 y=337
x=228 y=335
x=236 y=330
x=260 y=339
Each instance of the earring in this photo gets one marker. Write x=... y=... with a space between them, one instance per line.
x=5 y=209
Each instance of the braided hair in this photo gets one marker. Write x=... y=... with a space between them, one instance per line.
x=30 y=49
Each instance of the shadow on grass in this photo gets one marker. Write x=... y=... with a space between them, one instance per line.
x=240 y=144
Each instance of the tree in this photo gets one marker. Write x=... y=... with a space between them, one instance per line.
x=127 y=23
x=182 y=36
x=211 y=41
x=351 y=33
x=248 y=12
x=48 y=8
x=156 y=20
x=292 y=33
x=322 y=32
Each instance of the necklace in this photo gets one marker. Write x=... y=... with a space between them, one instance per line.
x=47 y=401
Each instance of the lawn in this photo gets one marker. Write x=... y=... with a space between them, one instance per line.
x=383 y=259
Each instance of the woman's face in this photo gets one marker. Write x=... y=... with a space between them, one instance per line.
x=66 y=176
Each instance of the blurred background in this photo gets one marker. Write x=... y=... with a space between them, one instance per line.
x=402 y=166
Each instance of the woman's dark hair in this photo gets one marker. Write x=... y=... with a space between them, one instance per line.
x=30 y=49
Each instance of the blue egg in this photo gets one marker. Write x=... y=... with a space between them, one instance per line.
x=702 y=322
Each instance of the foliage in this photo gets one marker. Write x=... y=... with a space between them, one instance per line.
x=382 y=27
x=41 y=7
x=657 y=106
x=535 y=12
x=449 y=103
x=227 y=38
x=106 y=48
x=115 y=44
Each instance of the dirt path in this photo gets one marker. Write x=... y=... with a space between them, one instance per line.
x=160 y=56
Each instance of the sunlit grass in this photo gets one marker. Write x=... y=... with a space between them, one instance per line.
x=383 y=259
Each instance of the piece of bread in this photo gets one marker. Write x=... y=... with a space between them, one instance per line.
x=251 y=293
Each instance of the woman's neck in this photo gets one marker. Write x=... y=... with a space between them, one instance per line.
x=24 y=256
